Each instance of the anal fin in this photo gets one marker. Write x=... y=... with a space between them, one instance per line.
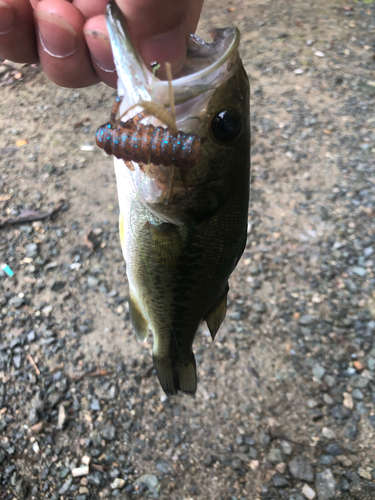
x=177 y=375
x=217 y=313
x=139 y=322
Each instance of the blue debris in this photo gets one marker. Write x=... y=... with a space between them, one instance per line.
x=7 y=270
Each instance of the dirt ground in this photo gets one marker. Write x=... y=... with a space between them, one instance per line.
x=291 y=372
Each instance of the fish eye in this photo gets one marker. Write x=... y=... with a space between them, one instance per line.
x=226 y=126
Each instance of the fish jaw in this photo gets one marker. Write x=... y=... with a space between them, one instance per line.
x=133 y=79
x=207 y=65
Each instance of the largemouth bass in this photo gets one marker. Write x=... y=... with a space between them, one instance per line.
x=183 y=212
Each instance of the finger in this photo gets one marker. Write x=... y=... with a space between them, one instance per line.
x=97 y=40
x=62 y=46
x=194 y=14
x=160 y=29
x=91 y=8
x=17 y=31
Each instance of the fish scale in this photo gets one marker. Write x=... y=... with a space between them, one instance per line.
x=183 y=230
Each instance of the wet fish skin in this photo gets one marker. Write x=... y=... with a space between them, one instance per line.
x=188 y=266
x=180 y=253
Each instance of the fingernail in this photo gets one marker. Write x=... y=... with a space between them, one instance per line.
x=166 y=47
x=57 y=37
x=7 y=17
x=100 y=50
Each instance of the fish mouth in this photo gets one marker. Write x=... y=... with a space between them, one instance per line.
x=164 y=189
x=207 y=65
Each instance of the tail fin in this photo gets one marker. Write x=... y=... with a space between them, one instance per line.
x=179 y=375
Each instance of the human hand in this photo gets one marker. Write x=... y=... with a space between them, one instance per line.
x=70 y=39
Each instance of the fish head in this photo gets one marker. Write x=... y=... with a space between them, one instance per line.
x=211 y=100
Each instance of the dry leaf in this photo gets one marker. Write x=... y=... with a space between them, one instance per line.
x=21 y=142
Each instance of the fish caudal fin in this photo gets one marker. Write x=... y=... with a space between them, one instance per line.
x=139 y=322
x=177 y=376
x=217 y=313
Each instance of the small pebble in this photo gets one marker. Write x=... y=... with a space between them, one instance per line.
x=371 y=364
x=286 y=447
x=66 y=486
x=308 y=492
x=301 y=469
x=318 y=370
x=351 y=430
x=118 y=483
x=348 y=400
x=365 y=474
x=80 y=471
x=326 y=459
x=325 y=485
x=334 y=450
x=357 y=394
x=280 y=481
x=275 y=455
x=327 y=399
x=62 y=417
x=328 y=433
x=95 y=405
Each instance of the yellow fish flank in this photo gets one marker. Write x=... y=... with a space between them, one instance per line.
x=183 y=230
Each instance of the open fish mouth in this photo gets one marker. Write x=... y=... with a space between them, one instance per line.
x=158 y=179
x=206 y=67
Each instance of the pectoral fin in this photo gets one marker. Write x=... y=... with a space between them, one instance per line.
x=179 y=376
x=217 y=313
x=139 y=322
x=166 y=244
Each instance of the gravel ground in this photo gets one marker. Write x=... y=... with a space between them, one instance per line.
x=285 y=402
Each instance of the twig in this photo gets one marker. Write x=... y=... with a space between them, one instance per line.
x=34 y=216
x=101 y=468
x=96 y=373
x=29 y=357
x=99 y=373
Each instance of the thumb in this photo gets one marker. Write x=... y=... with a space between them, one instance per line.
x=160 y=28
